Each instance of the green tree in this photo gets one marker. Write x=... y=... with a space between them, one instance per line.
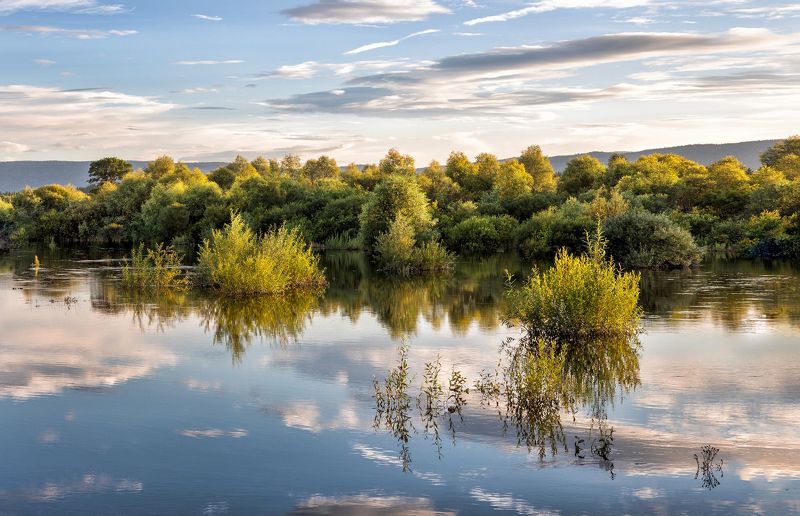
x=580 y=174
x=396 y=196
x=323 y=167
x=512 y=181
x=538 y=166
x=396 y=163
x=784 y=156
x=110 y=170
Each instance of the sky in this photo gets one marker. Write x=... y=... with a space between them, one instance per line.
x=207 y=80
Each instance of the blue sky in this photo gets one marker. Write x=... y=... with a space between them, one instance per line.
x=81 y=79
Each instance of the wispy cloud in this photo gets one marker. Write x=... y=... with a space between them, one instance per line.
x=310 y=69
x=72 y=33
x=208 y=62
x=384 y=44
x=207 y=17
x=364 y=11
x=44 y=62
x=552 y=5
x=79 y=6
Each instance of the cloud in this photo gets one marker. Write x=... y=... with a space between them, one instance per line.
x=61 y=31
x=207 y=17
x=505 y=80
x=213 y=433
x=383 y=44
x=364 y=11
x=208 y=62
x=309 y=69
x=79 y=6
x=44 y=62
x=369 y=504
x=13 y=147
x=552 y=5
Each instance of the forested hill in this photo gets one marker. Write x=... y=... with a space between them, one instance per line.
x=15 y=175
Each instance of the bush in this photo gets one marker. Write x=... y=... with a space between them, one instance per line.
x=395 y=197
x=156 y=268
x=643 y=240
x=554 y=229
x=236 y=261
x=396 y=251
x=580 y=298
x=482 y=234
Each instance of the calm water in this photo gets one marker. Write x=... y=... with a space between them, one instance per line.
x=112 y=403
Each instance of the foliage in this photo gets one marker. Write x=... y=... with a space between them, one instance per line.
x=640 y=239
x=397 y=251
x=236 y=261
x=394 y=198
x=482 y=234
x=154 y=268
x=581 y=173
x=784 y=156
x=580 y=298
x=538 y=166
x=108 y=170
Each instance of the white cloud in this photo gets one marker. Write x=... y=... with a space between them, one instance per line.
x=383 y=44
x=72 y=33
x=44 y=62
x=13 y=147
x=552 y=5
x=207 y=17
x=80 y=6
x=209 y=62
x=364 y=11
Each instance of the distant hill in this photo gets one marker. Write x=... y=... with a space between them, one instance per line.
x=15 y=175
x=746 y=152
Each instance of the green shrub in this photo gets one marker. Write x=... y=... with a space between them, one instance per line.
x=236 y=261
x=156 y=268
x=347 y=241
x=554 y=229
x=643 y=240
x=482 y=234
x=395 y=197
x=396 y=251
x=579 y=298
x=766 y=236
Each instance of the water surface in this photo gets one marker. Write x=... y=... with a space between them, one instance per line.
x=121 y=403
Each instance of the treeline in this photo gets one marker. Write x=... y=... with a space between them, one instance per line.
x=661 y=210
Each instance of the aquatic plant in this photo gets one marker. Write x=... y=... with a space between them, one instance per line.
x=155 y=268
x=237 y=261
x=580 y=297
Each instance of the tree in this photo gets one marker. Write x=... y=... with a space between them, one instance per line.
x=162 y=166
x=396 y=163
x=580 y=174
x=396 y=196
x=538 y=166
x=323 y=167
x=784 y=156
x=290 y=165
x=108 y=170
x=512 y=181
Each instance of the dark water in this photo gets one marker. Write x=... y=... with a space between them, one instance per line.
x=113 y=403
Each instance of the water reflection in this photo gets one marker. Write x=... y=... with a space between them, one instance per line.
x=533 y=388
x=708 y=466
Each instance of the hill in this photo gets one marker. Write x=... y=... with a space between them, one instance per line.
x=746 y=152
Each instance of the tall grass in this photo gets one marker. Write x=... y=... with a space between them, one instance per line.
x=157 y=268
x=236 y=261
x=583 y=297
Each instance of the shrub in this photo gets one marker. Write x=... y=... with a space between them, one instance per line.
x=236 y=261
x=482 y=234
x=395 y=197
x=642 y=240
x=579 y=298
x=397 y=251
x=155 y=268
x=766 y=236
x=555 y=228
